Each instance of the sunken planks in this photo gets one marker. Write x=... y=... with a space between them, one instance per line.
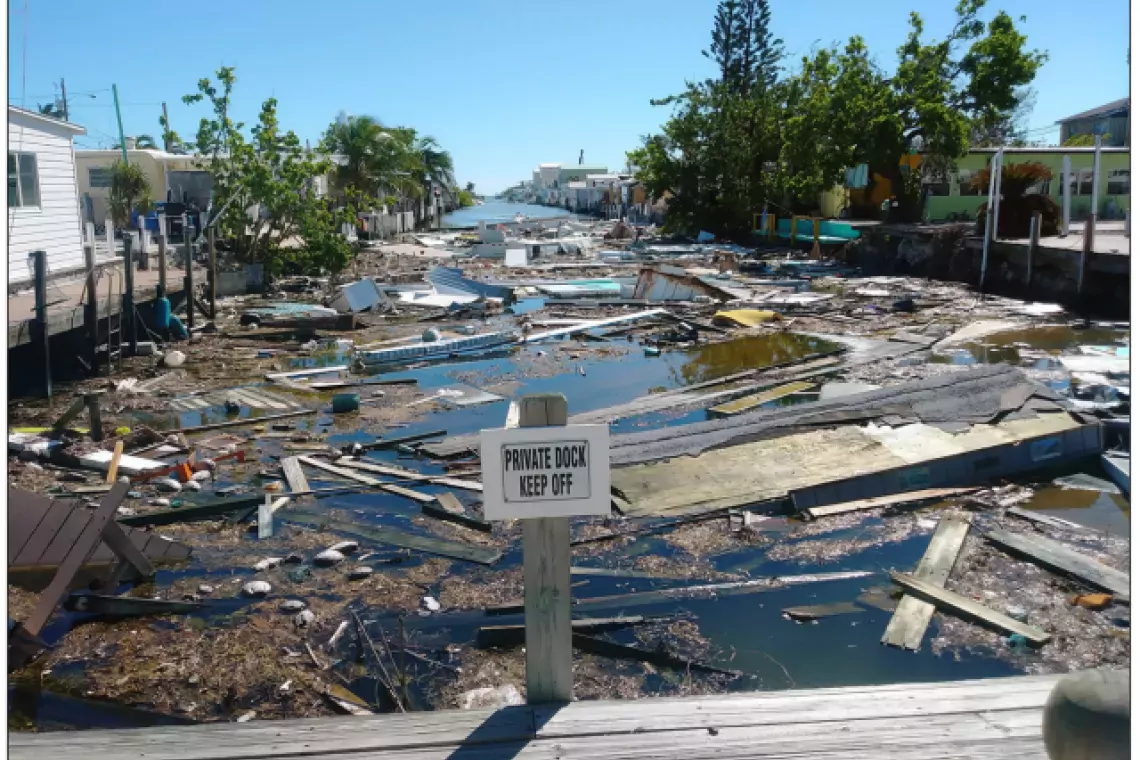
x=254 y=398
x=912 y=616
x=1060 y=558
x=996 y=718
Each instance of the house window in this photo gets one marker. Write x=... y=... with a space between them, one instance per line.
x=23 y=180
x=936 y=187
x=1041 y=187
x=1119 y=182
x=99 y=176
x=1081 y=182
x=965 y=183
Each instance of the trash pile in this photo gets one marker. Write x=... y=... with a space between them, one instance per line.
x=282 y=516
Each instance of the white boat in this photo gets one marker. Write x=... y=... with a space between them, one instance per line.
x=520 y=218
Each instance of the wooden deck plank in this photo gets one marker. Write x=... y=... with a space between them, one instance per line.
x=65 y=538
x=924 y=494
x=397 y=472
x=26 y=511
x=294 y=475
x=1060 y=558
x=912 y=616
x=996 y=718
x=748 y=403
x=45 y=532
x=366 y=480
x=969 y=609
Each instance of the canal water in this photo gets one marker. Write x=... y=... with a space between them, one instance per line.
x=747 y=632
x=500 y=211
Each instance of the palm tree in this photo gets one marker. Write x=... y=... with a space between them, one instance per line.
x=437 y=165
x=359 y=143
x=130 y=192
x=52 y=110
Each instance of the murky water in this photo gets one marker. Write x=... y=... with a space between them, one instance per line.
x=1008 y=347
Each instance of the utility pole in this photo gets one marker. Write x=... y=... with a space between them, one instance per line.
x=119 y=117
x=165 y=129
x=63 y=89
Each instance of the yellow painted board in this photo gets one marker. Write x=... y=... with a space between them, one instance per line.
x=740 y=405
x=745 y=317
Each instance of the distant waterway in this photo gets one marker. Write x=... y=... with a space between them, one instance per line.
x=501 y=211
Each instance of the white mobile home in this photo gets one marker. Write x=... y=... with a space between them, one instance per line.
x=43 y=197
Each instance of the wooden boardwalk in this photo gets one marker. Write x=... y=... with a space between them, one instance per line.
x=994 y=718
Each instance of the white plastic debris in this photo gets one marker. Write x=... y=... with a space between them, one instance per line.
x=292 y=605
x=205 y=588
x=191 y=485
x=431 y=604
x=174 y=359
x=490 y=697
x=267 y=563
x=304 y=619
x=256 y=589
x=328 y=558
x=201 y=476
x=247 y=717
x=158 y=502
x=167 y=484
x=345 y=547
x=359 y=573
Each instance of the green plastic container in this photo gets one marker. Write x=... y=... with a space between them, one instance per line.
x=345 y=402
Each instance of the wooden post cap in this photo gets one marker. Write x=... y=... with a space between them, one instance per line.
x=1087 y=715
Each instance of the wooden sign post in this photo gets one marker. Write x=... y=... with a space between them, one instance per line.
x=543 y=472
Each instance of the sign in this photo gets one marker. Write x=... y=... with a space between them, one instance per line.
x=545 y=471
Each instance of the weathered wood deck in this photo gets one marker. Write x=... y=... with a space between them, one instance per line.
x=42 y=532
x=993 y=718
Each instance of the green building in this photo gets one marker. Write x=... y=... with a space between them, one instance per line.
x=956 y=199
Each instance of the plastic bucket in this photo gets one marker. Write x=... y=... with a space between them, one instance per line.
x=345 y=402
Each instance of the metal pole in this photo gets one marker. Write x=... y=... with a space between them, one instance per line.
x=1095 y=209
x=41 y=318
x=119 y=117
x=1066 y=194
x=188 y=284
x=63 y=89
x=165 y=129
x=129 y=294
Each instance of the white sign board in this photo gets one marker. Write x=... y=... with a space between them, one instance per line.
x=545 y=471
x=515 y=257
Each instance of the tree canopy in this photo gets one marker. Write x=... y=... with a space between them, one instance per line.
x=760 y=136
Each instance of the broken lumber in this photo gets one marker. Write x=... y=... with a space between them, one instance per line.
x=968 y=609
x=1047 y=520
x=459 y=518
x=388 y=443
x=748 y=403
x=398 y=472
x=817 y=611
x=912 y=616
x=890 y=500
x=248 y=421
x=366 y=480
x=1061 y=559
x=616 y=651
x=426 y=544
x=126 y=606
x=515 y=635
x=294 y=475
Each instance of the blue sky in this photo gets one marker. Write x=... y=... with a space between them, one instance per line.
x=503 y=84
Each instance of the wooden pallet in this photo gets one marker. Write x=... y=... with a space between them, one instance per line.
x=254 y=398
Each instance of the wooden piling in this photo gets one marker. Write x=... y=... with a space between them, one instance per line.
x=213 y=274
x=91 y=303
x=188 y=282
x=127 y=318
x=1034 y=239
x=546 y=578
x=43 y=336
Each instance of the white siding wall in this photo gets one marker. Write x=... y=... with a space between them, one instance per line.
x=54 y=226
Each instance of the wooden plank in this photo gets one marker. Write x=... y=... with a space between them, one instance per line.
x=546 y=580
x=389 y=443
x=995 y=719
x=448 y=501
x=294 y=475
x=655 y=657
x=459 y=518
x=1063 y=560
x=969 y=609
x=912 y=616
x=248 y=421
x=81 y=550
x=748 y=403
x=1048 y=521
x=392 y=537
x=398 y=472
x=514 y=635
x=356 y=476
x=53 y=520
x=817 y=611
x=113 y=468
x=307 y=372
x=25 y=513
x=65 y=538
x=885 y=501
